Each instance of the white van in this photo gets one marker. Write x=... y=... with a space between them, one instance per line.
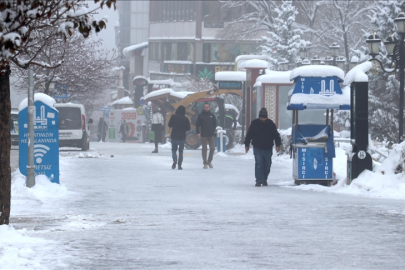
x=73 y=126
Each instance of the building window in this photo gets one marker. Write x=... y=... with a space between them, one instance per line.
x=182 y=51
x=206 y=53
x=166 y=51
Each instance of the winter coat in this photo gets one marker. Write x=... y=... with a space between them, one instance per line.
x=124 y=129
x=262 y=134
x=206 y=124
x=179 y=124
x=157 y=122
x=100 y=126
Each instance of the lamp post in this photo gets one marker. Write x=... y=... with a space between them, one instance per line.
x=396 y=52
x=334 y=49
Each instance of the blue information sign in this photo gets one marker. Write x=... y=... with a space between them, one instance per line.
x=314 y=164
x=46 y=144
x=230 y=85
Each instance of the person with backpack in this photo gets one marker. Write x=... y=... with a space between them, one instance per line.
x=157 y=126
x=179 y=124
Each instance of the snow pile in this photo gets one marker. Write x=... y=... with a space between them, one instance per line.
x=381 y=183
x=18 y=250
x=123 y=101
x=44 y=190
x=88 y=155
x=358 y=73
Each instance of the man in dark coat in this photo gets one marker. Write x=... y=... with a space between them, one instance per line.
x=205 y=127
x=102 y=129
x=179 y=124
x=262 y=132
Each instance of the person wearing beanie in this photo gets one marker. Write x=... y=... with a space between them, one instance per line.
x=262 y=133
x=179 y=124
x=205 y=127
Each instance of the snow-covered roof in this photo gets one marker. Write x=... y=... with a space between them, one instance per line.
x=275 y=77
x=167 y=91
x=231 y=107
x=123 y=101
x=140 y=77
x=317 y=71
x=38 y=97
x=131 y=48
x=239 y=76
x=249 y=57
x=358 y=73
x=255 y=63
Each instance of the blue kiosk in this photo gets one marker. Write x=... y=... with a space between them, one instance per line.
x=315 y=89
x=46 y=133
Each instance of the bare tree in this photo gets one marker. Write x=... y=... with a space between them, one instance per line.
x=86 y=68
x=21 y=22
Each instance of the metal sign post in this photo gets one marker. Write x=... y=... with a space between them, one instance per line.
x=30 y=182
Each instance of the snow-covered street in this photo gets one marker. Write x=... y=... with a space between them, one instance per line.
x=122 y=207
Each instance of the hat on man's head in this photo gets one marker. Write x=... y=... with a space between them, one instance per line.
x=263 y=113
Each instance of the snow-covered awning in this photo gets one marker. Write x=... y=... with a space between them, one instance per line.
x=233 y=76
x=167 y=92
x=123 y=101
x=136 y=47
x=275 y=77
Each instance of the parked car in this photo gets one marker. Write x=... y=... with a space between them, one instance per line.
x=73 y=126
x=14 y=126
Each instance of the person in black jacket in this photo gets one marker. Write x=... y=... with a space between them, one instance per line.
x=262 y=132
x=205 y=127
x=179 y=124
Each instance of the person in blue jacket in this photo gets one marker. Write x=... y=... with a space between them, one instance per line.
x=263 y=133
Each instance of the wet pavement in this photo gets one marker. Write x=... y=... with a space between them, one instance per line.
x=129 y=210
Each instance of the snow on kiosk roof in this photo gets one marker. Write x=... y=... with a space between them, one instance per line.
x=317 y=71
x=38 y=97
x=317 y=87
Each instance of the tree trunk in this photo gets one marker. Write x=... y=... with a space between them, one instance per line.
x=5 y=146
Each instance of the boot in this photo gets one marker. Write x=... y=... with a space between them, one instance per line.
x=205 y=166
x=155 y=151
x=180 y=168
x=210 y=165
x=174 y=164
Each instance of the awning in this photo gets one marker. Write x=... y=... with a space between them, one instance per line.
x=136 y=47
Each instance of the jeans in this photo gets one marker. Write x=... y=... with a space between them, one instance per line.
x=204 y=142
x=178 y=144
x=262 y=163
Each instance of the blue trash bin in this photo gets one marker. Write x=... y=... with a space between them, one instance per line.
x=223 y=144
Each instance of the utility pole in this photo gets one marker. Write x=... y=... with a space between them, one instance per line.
x=30 y=182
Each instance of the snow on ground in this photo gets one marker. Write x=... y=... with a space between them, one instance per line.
x=30 y=248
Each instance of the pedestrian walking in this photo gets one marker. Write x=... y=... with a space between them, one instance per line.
x=262 y=132
x=157 y=126
x=102 y=129
x=123 y=130
x=205 y=127
x=179 y=124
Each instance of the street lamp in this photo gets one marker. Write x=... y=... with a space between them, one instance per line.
x=334 y=48
x=284 y=65
x=353 y=62
x=340 y=62
x=396 y=52
x=303 y=53
x=315 y=61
